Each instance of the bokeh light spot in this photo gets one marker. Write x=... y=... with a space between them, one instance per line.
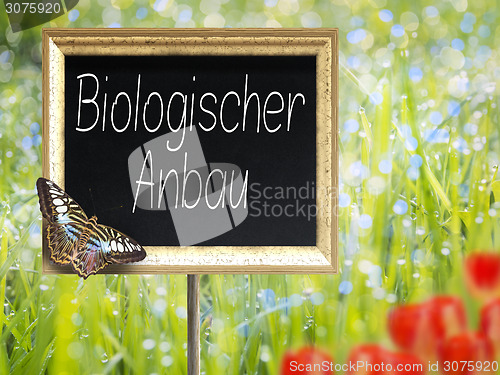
x=385 y=15
x=398 y=30
x=345 y=287
x=365 y=221
x=436 y=118
x=400 y=207
x=416 y=74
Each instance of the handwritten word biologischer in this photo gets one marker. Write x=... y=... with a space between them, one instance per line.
x=274 y=110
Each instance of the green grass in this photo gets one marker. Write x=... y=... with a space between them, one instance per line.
x=137 y=324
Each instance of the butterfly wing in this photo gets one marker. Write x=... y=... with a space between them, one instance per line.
x=118 y=247
x=57 y=206
x=90 y=258
x=105 y=246
x=61 y=240
x=66 y=220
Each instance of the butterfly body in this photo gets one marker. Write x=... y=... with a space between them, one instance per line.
x=74 y=239
x=90 y=227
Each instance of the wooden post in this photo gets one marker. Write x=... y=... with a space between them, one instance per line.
x=193 y=324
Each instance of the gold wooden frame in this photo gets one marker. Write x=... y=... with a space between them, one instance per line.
x=322 y=43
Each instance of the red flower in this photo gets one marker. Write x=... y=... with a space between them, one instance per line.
x=374 y=359
x=462 y=353
x=420 y=328
x=405 y=324
x=307 y=361
x=482 y=275
x=448 y=316
x=490 y=324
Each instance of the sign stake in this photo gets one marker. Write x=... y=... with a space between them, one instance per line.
x=193 y=324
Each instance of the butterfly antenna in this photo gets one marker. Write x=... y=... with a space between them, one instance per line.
x=93 y=205
x=114 y=208
x=92 y=199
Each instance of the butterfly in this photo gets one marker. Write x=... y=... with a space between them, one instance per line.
x=77 y=240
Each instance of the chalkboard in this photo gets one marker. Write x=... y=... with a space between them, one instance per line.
x=202 y=146
x=280 y=164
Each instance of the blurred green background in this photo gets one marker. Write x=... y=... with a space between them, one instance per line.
x=419 y=128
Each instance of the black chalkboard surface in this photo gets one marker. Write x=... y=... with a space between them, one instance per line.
x=257 y=113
